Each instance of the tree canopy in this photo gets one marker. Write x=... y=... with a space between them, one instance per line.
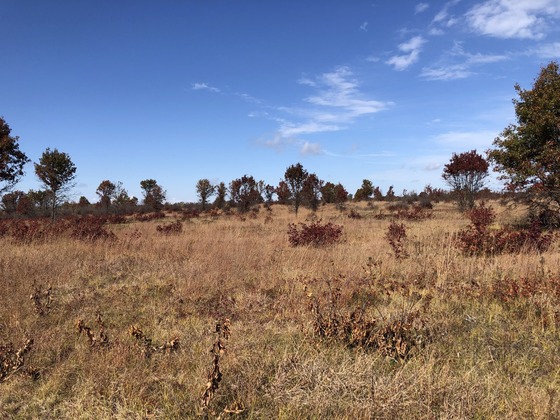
x=465 y=174
x=12 y=160
x=56 y=171
x=528 y=153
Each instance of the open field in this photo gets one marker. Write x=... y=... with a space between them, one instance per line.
x=436 y=334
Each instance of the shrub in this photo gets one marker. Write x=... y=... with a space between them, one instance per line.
x=315 y=234
x=90 y=229
x=396 y=236
x=478 y=239
x=171 y=228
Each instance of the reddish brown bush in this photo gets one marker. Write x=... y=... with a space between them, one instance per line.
x=170 y=228
x=148 y=217
x=315 y=234
x=90 y=229
x=478 y=239
x=396 y=236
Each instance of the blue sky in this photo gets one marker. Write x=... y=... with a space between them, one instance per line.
x=179 y=90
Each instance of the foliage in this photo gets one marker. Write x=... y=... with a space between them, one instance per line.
x=331 y=193
x=221 y=193
x=396 y=236
x=170 y=228
x=12 y=160
x=154 y=195
x=205 y=190
x=245 y=193
x=315 y=234
x=311 y=192
x=479 y=239
x=528 y=153
x=294 y=178
x=17 y=202
x=283 y=192
x=56 y=171
x=365 y=191
x=106 y=192
x=396 y=337
x=466 y=174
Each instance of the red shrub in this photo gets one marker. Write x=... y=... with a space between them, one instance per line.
x=315 y=234
x=170 y=228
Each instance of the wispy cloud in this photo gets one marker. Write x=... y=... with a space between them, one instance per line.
x=364 y=26
x=524 y=19
x=453 y=69
x=204 y=86
x=443 y=19
x=548 y=50
x=311 y=149
x=335 y=104
x=411 y=50
x=421 y=7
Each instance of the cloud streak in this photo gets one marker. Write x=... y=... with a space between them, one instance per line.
x=335 y=104
x=204 y=86
x=411 y=50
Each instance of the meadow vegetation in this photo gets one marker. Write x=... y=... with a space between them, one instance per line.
x=211 y=314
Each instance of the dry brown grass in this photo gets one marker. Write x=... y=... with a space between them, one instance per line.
x=475 y=353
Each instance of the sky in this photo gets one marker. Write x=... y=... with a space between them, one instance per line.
x=180 y=90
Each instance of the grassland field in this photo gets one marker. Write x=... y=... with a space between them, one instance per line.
x=346 y=331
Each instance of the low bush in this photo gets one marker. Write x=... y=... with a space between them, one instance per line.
x=478 y=239
x=170 y=228
x=315 y=234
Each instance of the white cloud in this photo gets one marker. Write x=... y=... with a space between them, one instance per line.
x=308 y=149
x=463 y=69
x=364 y=26
x=310 y=127
x=443 y=17
x=338 y=91
x=452 y=72
x=204 y=86
x=412 y=49
x=548 y=50
x=421 y=7
x=524 y=19
x=335 y=104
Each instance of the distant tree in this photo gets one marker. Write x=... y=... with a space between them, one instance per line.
x=56 y=172
x=107 y=193
x=365 y=191
x=244 y=193
x=466 y=174
x=269 y=192
x=377 y=194
x=83 y=202
x=295 y=177
x=328 y=194
x=12 y=160
x=528 y=153
x=11 y=201
x=39 y=199
x=154 y=195
x=390 y=196
x=311 y=192
x=205 y=190
x=341 y=195
x=221 y=193
x=283 y=193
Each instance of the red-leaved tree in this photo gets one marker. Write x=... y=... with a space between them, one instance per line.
x=466 y=174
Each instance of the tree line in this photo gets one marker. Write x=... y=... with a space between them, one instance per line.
x=526 y=155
